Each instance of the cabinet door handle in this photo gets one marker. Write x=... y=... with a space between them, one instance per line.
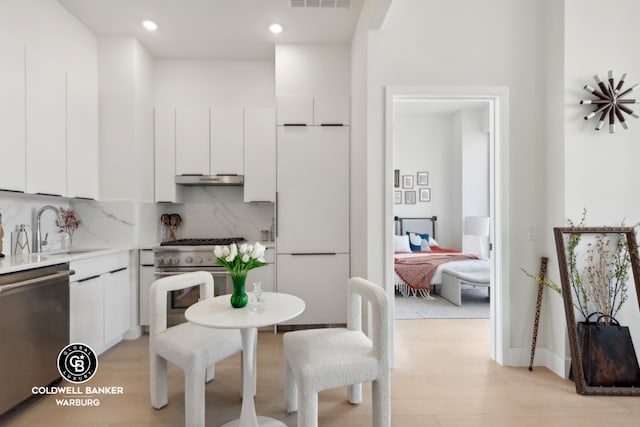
x=295 y=124
x=277 y=216
x=88 y=278
x=49 y=194
x=313 y=253
x=122 y=269
x=331 y=124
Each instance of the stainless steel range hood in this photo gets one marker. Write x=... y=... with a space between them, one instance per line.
x=212 y=180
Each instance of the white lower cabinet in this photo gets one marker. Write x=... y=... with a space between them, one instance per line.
x=86 y=302
x=99 y=300
x=116 y=304
x=321 y=281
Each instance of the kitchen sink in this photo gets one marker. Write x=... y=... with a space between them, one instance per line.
x=72 y=251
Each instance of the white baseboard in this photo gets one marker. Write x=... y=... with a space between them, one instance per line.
x=543 y=357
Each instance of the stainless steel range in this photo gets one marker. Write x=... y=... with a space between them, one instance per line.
x=184 y=255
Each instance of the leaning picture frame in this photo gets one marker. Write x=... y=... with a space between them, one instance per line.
x=578 y=363
x=396 y=178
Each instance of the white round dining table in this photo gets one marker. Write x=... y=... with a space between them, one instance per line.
x=217 y=312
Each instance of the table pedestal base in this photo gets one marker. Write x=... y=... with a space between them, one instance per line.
x=262 y=422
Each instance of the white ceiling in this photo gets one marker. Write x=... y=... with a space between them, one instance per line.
x=215 y=29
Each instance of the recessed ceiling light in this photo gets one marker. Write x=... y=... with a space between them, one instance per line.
x=150 y=25
x=275 y=28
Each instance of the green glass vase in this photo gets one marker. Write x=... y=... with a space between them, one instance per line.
x=239 y=297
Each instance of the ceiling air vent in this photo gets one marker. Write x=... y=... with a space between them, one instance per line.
x=321 y=3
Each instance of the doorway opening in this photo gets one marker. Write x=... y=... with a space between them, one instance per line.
x=420 y=99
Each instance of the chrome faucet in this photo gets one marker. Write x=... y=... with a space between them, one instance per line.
x=38 y=240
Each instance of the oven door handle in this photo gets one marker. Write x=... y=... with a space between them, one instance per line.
x=175 y=273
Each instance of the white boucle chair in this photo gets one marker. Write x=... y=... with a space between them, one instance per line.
x=193 y=348
x=320 y=359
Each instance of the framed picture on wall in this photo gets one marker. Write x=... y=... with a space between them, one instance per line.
x=396 y=178
x=425 y=194
x=407 y=181
x=410 y=197
x=423 y=178
x=397 y=197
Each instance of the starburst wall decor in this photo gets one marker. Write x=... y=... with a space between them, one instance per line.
x=610 y=102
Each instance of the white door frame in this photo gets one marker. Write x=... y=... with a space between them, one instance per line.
x=497 y=99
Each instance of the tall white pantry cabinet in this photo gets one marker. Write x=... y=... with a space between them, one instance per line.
x=312 y=209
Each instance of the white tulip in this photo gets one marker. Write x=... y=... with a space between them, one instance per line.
x=261 y=260
x=225 y=251
x=245 y=258
x=218 y=252
x=243 y=248
x=230 y=258
x=258 y=251
x=250 y=250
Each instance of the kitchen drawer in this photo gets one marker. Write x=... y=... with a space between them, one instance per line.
x=146 y=257
x=98 y=265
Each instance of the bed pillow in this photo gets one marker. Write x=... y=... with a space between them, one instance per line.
x=418 y=241
x=432 y=241
x=401 y=244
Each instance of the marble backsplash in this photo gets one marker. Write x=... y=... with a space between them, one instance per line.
x=206 y=212
x=18 y=208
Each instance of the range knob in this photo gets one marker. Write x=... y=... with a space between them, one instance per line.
x=199 y=260
x=175 y=261
x=188 y=260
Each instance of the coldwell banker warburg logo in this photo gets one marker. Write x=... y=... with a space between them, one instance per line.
x=77 y=363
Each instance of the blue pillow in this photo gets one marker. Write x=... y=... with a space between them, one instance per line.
x=418 y=242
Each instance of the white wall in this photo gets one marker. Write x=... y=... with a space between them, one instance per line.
x=601 y=169
x=214 y=83
x=424 y=143
x=313 y=70
x=500 y=45
x=475 y=163
x=359 y=99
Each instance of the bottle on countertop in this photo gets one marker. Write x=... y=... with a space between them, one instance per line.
x=20 y=241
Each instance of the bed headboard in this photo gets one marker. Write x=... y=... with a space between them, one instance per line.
x=418 y=225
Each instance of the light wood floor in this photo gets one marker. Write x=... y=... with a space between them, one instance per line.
x=443 y=378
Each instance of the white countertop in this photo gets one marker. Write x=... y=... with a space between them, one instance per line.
x=13 y=263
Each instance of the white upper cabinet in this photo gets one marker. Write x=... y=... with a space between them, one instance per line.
x=294 y=110
x=82 y=126
x=192 y=141
x=259 y=155
x=331 y=110
x=46 y=123
x=227 y=141
x=313 y=189
x=166 y=189
x=12 y=114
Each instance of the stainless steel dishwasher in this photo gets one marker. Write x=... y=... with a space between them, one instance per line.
x=34 y=327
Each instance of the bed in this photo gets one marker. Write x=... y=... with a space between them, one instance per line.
x=419 y=260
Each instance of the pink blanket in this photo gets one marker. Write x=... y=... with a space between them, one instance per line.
x=417 y=272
